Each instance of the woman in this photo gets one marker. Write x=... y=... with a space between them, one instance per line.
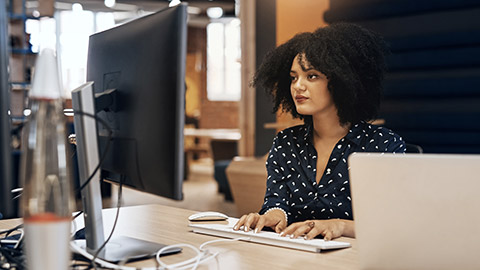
x=332 y=79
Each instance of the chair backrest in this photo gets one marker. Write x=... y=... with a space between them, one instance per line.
x=413 y=148
x=247 y=180
x=223 y=149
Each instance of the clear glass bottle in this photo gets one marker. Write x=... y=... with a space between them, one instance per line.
x=47 y=199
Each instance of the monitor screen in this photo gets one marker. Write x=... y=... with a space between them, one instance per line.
x=136 y=84
x=144 y=61
x=7 y=208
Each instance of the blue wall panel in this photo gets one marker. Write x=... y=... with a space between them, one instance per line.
x=432 y=89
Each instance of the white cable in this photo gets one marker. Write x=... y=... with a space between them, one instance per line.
x=180 y=265
x=16 y=197
x=74 y=229
x=16 y=242
x=16 y=190
x=201 y=257
x=21 y=237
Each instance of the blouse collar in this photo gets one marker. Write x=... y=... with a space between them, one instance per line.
x=354 y=135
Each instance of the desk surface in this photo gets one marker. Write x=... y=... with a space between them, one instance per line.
x=169 y=225
x=215 y=133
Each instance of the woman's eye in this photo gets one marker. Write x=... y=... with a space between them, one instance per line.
x=312 y=76
x=293 y=78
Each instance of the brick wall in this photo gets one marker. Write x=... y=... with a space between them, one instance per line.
x=211 y=114
x=219 y=114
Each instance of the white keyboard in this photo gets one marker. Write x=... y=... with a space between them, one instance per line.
x=265 y=237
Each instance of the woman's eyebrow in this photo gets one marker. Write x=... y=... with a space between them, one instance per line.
x=306 y=68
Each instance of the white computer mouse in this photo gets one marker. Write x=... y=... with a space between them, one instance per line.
x=205 y=216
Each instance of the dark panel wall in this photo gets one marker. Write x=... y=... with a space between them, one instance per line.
x=265 y=34
x=7 y=208
x=432 y=90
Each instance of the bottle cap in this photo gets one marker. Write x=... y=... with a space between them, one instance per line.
x=46 y=83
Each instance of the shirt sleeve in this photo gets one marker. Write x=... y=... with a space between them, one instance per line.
x=385 y=141
x=277 y=192
x=395 y=144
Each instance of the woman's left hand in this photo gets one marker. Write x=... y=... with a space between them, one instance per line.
x=329 y=228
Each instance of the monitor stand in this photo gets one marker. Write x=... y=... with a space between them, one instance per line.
x=118 y=248
x=122 y=248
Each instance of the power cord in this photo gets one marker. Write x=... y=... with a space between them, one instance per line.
x=13 y=257
x=203 y=256
x=119 y=202
x=105 y=151
x=102 y=158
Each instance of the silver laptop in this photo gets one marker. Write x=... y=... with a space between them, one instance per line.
x=416 y=211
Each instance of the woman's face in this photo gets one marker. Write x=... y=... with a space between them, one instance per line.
x=309 y=89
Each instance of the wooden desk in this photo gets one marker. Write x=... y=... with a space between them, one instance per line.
x=219 y=144
x=214 y=134
x=169 y=225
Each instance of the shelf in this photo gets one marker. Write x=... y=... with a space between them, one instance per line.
x=14 y=16
x=22 y=51
x=20 y=84
x=17 y=120
x=21 y=61
x=24 y=86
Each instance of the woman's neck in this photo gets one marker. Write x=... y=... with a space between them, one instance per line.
x=328 y=127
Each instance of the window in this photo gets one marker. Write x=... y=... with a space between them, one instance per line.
x=223 y=60
x=74 y=30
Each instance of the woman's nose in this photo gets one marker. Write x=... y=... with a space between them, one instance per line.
x=299 y=85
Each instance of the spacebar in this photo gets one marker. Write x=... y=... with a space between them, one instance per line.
x=262 y=239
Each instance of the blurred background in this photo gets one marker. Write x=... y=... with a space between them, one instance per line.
x=431 y=98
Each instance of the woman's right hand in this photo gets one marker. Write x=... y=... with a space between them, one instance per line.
x=274 y=219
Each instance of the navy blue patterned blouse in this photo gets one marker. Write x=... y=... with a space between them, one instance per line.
x=291 y=167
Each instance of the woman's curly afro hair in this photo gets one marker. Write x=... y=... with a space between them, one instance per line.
x=351 y=57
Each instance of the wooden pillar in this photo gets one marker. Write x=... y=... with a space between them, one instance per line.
x=247 y=102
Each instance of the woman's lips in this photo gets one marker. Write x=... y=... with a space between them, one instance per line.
x=300 y=98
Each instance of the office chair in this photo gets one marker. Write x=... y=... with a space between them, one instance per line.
x=223 y=152
x=413 y=148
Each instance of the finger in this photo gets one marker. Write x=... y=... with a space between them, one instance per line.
x=260 y=223
x=290 y=229
x=314 y=232
x=303 y=229
x=250 y=221
x=239 y=223
x=328 y=235
x=280 y=226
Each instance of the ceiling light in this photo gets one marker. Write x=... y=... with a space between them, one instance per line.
x=110 y=3
x=174 y=3
x=214 y=12
x=194 y=10
x=77 y=7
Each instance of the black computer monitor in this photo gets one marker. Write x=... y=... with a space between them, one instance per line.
x=138 y=75
x=7 y=208
x=144 y=61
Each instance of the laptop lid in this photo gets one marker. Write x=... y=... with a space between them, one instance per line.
x=416 y=211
